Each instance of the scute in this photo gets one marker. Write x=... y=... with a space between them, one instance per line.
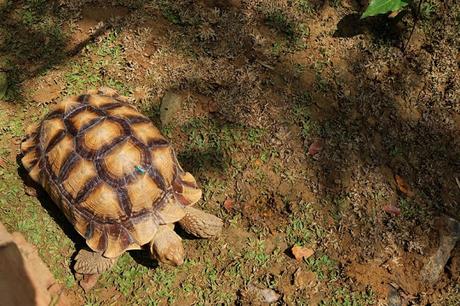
x=59 y=154
x=103 y=203
x=100 y=101
x=146 y=132
x=50 y=130
x=123 y=159
x=83 y=118
x=164 y=161
x=80 y=174
x=124 y=111
x=111 y=172
x=143 y=192
x=101 y=135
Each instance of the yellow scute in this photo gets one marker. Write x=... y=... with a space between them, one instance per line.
x=143 y=193
x=82 y=119
x=59 y=154
x=102 y=134
x=146 y=132
x=163 y=161
x=103 y=202
x=80 y=173
x=50 y=129
x=123 y=159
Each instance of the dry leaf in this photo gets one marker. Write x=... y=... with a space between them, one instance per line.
x=393 y=14
x=391 y=209
x=403 y=186
x=315 y=147
x=301 y=252
x=228 y=204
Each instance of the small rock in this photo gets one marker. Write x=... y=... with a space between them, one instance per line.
x=315 y=148
x=393 y=297
x=170 y=107
x=228 y=204
x=449 y=235
x=304 y=279
x=301 y=252
x=262 y=295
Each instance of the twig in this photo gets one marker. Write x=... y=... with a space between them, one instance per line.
x=265 y=65
x=417 y=17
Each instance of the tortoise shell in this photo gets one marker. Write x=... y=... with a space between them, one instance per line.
x=109 y=169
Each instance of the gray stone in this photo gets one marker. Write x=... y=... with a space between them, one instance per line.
x=170 y=107
x=449 y=235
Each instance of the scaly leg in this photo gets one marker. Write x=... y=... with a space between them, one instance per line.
x=90 y=265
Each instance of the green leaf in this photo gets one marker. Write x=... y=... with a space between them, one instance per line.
x=377 y=7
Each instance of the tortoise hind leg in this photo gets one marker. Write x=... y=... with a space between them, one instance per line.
x=90 y=265
x=200 y=223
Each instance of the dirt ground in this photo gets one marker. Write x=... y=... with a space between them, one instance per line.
x=303 y=124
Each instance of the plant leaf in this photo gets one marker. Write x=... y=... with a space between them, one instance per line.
x=377 y=7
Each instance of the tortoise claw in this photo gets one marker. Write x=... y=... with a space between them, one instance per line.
x=88 y=281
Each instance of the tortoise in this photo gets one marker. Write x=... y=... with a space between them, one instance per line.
x=116 y=178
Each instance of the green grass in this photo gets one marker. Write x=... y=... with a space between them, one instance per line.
x=323 y=266
x=301 y=229
x=91 y=72
x=346 y=297
x=293 y=32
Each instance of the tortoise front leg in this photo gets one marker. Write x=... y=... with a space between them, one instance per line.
x=90 y=265
x=200 y=223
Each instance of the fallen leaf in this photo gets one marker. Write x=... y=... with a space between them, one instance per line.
x=228 y=204
x=315 y=147
x=391 y=209
x=403 y=186
x=301 y=252
x=394 y=14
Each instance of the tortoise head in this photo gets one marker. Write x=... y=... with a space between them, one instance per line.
x=166 y=246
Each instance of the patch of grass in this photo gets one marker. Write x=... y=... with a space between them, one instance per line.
x=294 y=31
x=301 y=229
x=301 y=113
x=410 y=209
x=91 y=73
x=305 y=6
x=323 y=266
x=345 y=297
x=279 y=21
x=170 y=13
x=81 y=77
x=428 y=9
x=256 y=253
